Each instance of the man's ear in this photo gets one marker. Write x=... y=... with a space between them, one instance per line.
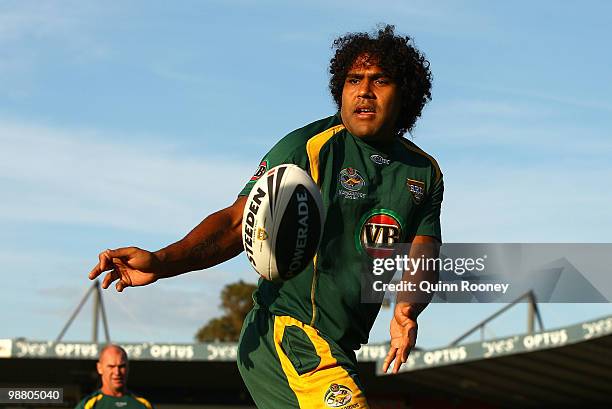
x=99 y=368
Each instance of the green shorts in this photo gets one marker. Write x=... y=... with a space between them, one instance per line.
x=287 y=364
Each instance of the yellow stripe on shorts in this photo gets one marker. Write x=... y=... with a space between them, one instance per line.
x=328 y=385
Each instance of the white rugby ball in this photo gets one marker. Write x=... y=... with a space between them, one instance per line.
x=282 y=222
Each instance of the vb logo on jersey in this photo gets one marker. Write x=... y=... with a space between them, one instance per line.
x=337 y=396
x=263 y=166
x=417 y=189
x=380 y=230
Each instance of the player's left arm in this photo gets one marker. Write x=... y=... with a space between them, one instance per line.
x=409 y=304
x=403 y=328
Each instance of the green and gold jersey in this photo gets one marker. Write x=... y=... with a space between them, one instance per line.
x=373 y=197
x=98 y=400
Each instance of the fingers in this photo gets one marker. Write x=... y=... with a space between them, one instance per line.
x=401 y=356
x=389 y=358
x=400 y=347
x=395 y=356
x=398 y=361
x=109 y=278
x=122 y=252
x=104 y=264
x=105 y=260
x=113 y=276
x=409 y=341
x=120 y=285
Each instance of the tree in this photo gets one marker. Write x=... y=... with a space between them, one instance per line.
x=236 y=302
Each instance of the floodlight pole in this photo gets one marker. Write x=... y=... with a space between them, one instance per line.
x=533 y=312
x=530 y=314
x=103 y=312
x=98 y=308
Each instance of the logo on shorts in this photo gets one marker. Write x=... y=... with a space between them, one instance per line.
x=380 y=230
x=379 y=160
x=417 y=188
x=337 y=396
x=263 y=166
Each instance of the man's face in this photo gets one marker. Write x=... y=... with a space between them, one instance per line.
x=370 y=101
x=113 y=369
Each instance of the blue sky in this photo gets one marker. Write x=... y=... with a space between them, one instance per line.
x=126 y=123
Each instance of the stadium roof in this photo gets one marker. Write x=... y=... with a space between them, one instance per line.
x=564 y=367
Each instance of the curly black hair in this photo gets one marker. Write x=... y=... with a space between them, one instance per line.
x=397 y=57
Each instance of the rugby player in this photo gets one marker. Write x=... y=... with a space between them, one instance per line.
x=297 y=345
x=112 y=367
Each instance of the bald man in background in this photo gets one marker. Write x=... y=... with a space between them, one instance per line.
x=112 y=367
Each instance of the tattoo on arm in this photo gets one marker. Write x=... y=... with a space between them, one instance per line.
x=206 y=248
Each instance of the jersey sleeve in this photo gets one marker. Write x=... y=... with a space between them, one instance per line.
x=428 y=217
x=90 y=400
x=285 y=151
x=145 y=402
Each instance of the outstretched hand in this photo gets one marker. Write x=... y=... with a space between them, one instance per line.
x=403 y=332
x=130 y=265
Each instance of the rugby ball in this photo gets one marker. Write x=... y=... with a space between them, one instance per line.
x=282 y=222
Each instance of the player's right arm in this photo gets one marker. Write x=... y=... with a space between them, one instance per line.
x=216 y=239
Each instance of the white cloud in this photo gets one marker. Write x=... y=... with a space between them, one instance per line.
x=546 y=203
x=34 y=34
x=531 y=95
x=519 y=171
x=506 y=109
x=502 y=124
x=78 y=176
x=22 y=19
x=83 y=177
x=50 y=19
